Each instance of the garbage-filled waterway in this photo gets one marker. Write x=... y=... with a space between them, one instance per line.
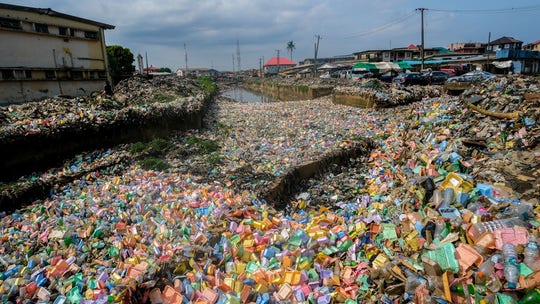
x=242 y=95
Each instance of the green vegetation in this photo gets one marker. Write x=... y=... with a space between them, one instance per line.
x=206 y=146
x=208 y=84
x=120 y=63
x=137 y=147
x=161 y=144
x=153 y=153
x=157 y=146
x=154 y=163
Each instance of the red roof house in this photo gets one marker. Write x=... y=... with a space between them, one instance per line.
x=271 y=66
x=283 y=61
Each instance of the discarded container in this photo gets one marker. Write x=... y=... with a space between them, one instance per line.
x=476 y=230
x=511 y=271
x=532 y=297
x=530 y=253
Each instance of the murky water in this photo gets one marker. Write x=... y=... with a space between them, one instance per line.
x=242 y=95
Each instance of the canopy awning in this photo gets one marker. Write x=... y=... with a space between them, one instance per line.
x=365 y=66
x=404 y=65
x=502 y=64
x=327 y=66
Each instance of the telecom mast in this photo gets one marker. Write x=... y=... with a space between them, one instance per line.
x=185 y=60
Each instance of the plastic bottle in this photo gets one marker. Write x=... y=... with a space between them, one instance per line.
x=478 y=229
x=510 y=265
x=471 y=289
x=485 y=270
x=532 y=297
x=530 y=253
x=412 y=282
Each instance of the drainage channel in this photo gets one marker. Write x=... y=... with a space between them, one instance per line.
x=284 y=188
x=240 y=94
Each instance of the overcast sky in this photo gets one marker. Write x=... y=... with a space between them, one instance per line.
x=210 y=29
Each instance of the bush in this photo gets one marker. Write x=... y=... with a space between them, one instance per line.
x=161 y=144
x=153 y=163
x=137 y=147
x=205 y=145
x=208 y=84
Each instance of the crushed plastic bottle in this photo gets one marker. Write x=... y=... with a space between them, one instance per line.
x=478 y=229
x=511 y=271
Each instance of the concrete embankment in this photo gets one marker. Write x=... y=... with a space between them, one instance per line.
x=287 y=92
x=280 y=191
x=33 y=152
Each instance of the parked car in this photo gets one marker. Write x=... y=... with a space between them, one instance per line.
x=472 y=77
x=455 y=70
x=361 y=75
x=438 y=77
x=406 y=79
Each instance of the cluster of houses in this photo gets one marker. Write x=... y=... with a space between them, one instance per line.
x=46 y=53
x=499 y=56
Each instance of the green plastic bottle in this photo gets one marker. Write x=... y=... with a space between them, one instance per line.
x=532 y=297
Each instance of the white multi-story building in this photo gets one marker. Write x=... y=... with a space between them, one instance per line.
x=45 y=53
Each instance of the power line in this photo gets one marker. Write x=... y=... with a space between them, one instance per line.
x=381 y=27
x=490 y=11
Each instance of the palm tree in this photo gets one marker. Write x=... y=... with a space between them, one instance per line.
x=290 y=47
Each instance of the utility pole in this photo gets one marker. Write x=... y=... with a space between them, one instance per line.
x=185 y=60
x=278 y=62
x=316 y=52
x=422 y=9
x=263 y=67
x=260 y=66
x=146 y=55
x=487 y=47
x=238 y=55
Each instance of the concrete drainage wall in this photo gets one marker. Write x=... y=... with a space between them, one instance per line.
x=283 y=92
x=353 y=100
x=280 y=191
x=26 y=154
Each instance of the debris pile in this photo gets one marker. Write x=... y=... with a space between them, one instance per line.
x=443 y=210
x=388 y=95
x=134 y=95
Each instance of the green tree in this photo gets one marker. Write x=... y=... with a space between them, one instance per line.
x=291 y=47
x=166 y=70
x=120 y=62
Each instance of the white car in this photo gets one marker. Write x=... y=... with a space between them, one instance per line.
x=472 y=77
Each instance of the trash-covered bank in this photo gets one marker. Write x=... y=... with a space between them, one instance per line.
x=40 y=134
x=444 y=209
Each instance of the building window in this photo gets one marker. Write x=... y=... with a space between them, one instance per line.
x=10 y=23
x=102 y=75
x=21 y=74
x=41 y=28
x=7 y=74
x=76 y=75
x=63 y=31
x=90 y=35
x=50 y=75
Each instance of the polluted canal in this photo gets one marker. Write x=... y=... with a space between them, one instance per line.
x=419 y=215
x=240 y=94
